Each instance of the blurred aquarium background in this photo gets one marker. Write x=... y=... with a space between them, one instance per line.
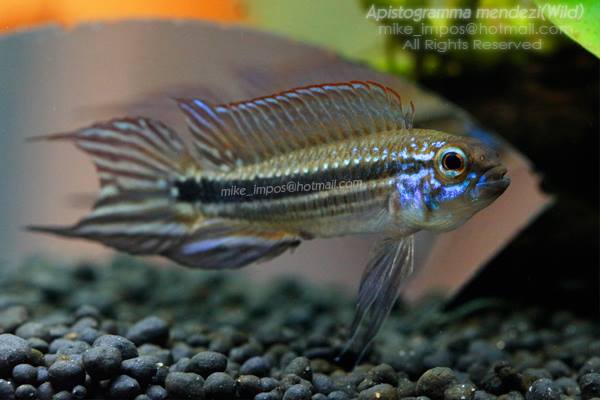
x=527 y=296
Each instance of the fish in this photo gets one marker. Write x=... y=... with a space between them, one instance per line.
x=258 y=177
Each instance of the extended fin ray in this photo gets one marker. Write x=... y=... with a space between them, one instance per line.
x=136 y=159
x=390 y=265
x=251 y=131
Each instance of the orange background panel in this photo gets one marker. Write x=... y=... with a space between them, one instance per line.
x=27 y=13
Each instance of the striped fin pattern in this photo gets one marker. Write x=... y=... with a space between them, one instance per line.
x=251 y=131
x=136 y=158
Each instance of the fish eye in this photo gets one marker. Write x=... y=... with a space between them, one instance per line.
x=451 y=162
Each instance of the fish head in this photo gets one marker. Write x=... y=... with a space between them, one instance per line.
x=458 y=176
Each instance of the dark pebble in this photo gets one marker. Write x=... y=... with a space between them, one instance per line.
x=382 y=391
x=483 y=395
x=543 y=389
x=102 y=362
x=38 y=344
x=87 y=310
x=7 y=390
x=141 y=368
x=89 y=335
x=124 y=387
x=257 y=366
x=417 y=398
x=49 y=359
x=531 y=375
x=45 y=391
x=485 y=351
x=181 y=366
x=161 y=374
x=272 y=395
x=501 y=378
x=24 y=373
x=590 y=386
x=65 y=374
x=161 y=355
x=512 y=395
x=11 y=317
x=319 y=396
x=440 y=358
x=84 y=323
x=124 y=345
x=338 y=395
x=219 y=386
x=244 y=352
x=221 y=345
x=408 y=360
x=149 y=330
x=268 y=383
x=435 y=381
x=322 y=383
x=247 y=386
x=406 y=388
x=142 y=396
x=62 y=395
x=300 y=366
x=185 y=385
x=58 y=331
x=461 y=391
x=79 y=392
x=557 y=368
x=568 y=386
x=348 y=383
x=591 y=366
x=41 y=375
x=383 y=373
x=25 y=392
x=13 y=350
x=198 y=340
x=156 y=392
x=30 y=330
x=207 y=362
x=293 y=379
x=297 y=392
x=68 y=347
x=181 y=350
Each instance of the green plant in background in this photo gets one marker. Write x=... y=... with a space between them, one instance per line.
x=584 y=30
x=346 y=27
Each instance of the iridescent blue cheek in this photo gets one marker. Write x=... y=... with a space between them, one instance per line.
x=410 y=190
x=452 y=192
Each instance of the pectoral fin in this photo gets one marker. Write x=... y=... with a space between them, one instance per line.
x=390 y=265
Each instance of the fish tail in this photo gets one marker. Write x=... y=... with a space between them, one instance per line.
x=137 y=161
x=141 y=166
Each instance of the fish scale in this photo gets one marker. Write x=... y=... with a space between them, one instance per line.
x=372 y=159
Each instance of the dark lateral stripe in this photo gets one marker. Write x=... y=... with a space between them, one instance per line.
x=208 y=191
x=330 y=203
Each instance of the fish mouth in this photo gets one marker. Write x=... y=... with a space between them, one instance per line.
x=492 y=183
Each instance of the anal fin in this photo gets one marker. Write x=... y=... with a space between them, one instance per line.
x=224 y=247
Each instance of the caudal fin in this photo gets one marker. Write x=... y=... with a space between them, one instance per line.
x=137 y=159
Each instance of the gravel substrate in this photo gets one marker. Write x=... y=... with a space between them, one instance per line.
x=132 y=331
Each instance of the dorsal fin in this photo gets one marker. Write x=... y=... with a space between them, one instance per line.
x=245 y=132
